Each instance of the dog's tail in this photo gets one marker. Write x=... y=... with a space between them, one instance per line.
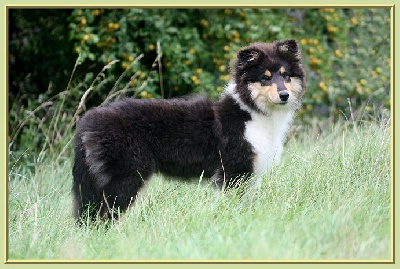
x=86 y=198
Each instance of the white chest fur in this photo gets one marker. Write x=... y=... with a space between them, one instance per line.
x=266 y=134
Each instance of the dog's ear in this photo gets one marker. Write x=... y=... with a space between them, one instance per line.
x=248 y=57
x=289 y=48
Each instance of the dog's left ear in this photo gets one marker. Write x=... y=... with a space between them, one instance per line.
x=248 y=57
x=289 y=48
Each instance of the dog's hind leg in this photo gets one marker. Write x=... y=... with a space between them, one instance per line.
x=109 y=171
x=120 y=193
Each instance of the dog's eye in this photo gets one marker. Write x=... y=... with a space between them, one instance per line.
x=285 y=76
x=265 y=79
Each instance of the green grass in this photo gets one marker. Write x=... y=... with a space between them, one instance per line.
x=328 y=199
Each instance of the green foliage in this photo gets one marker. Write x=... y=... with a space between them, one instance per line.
x=347 y=51
x=349 y=59
x=162 y=53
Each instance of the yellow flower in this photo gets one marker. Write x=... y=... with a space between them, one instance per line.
x=332 y=29
x=199 y=71
x=314 y=60
x=192 y=51
x=224 y=78
x=205 y=23
x=336 y=16
x=323 y=86
x=222 y=68
x=125 y=65
x=83 y=21
x=131 y=58
x=363 y=81
x=228 y=11
x=152 y=47
x=303 y=41
x=86 y=37
x=327 y=10
x=144 y=94
x=195 y=80
x=95 y=12
x=134 y=81
x=338 y=54
x=235 y=34
x=354 y=21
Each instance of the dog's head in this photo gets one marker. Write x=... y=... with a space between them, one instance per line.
x=270 y=76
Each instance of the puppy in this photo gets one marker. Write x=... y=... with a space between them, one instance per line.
x=120 y=146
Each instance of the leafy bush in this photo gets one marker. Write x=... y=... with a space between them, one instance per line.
x=344 y=56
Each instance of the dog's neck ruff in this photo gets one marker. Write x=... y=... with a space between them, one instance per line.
x=230 y=90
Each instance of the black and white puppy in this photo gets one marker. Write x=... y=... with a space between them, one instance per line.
x=120 y=146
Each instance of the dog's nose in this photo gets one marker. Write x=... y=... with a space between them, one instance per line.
x=284 y=95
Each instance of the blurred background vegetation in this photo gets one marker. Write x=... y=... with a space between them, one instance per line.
x=64 y=61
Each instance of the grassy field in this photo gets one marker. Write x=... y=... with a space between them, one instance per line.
x=328 y=199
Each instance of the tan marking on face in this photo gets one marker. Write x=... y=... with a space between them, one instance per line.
x=264 y=94
x=268 y=73
x=283 y=70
